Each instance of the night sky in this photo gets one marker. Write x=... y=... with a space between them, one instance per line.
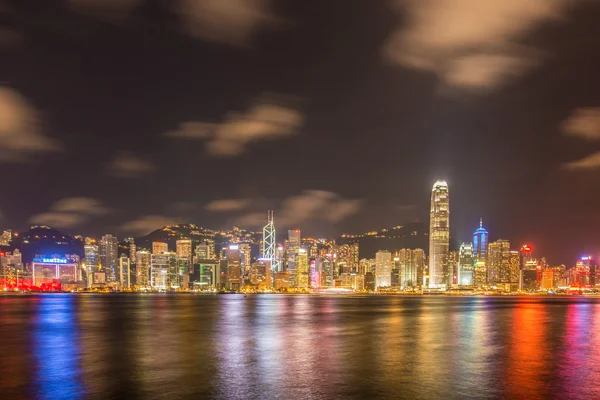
x=126 y=115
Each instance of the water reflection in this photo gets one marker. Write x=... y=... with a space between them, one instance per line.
x=278 y=346
x=56 y=349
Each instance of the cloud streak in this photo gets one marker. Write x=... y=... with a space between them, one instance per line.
x=70 y=212
x=20 y=133
x=469 y=44
x=266 y=119
x=232 y=22
x=127 y=165
x=310 y=205
x=583 y=123
x=590 y=162
x=227 y=205
x=148 y=223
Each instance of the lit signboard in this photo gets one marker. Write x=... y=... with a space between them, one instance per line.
x=48 y=260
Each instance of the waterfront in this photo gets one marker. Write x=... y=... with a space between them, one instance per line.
x=158 y=346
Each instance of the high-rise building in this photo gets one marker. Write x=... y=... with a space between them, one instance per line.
x=453 y=266
x=234 y=267
x=6 y=238
x=291 y=249
x=411 y=261
x=91 y=257
x=480 y=242
x=515 y=266
x=269 y=243
x=383 y=269
x=163 y=271
x=124 y=271
x=142 y=266
x=260 y=273
x=159 y=247
x=246 y=251
x=498 y=262
x=203 y=251
x=184 y=248
x=466 y=265
x=439 y=236
x=108 y=256
x=347 y=254
x=132 y=248
x=294 y=239
x=302 y=271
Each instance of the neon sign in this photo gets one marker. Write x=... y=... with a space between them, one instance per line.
x=51 y=260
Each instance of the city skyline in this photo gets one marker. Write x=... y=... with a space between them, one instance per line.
x=121 y=107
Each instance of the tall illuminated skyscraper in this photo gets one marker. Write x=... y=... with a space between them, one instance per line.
x=466 y=265
x=302 y=270
x=480 y=242
x=498 y=262
x=439 y=236
x=383 y=269
x=142 y=263
x=268 y=251
x=108 y=255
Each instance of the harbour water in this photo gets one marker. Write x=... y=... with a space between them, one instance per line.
x=161 y=346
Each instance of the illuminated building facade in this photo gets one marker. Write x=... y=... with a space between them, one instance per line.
x=292 y=245
x=302 y=277
x=49 y=270
x=466 y=265
x=108 y=256
x=163 y=271
x=125 y=271
x=439 y=236
x=159 y=248
x=234 y=267
x=411 y=261
x=480 y=274
x=183 y=248
x=499 y=262
x=142 y=265
x=269 y=241
x=383 y=269
x=347 y=254
x=480 y=242
x=453 y=267
x=260 y=273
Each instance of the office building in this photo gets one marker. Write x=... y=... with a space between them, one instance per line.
x=142 y=266
x=159 y=248
x=124 y=271
x=108 y=257
x=498 y=262
x=466 y=265
x=302 y=273
x=439 y=236
x=383 y=269
x=411 y=262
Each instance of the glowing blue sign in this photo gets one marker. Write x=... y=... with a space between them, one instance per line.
x=51 y=260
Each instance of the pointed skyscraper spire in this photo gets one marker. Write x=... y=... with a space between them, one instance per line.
x=481 y=222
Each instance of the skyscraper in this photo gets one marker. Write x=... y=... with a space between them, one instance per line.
x=411 y=261
x=183 y=248
x=466 y=265
x=108 y=255
x=234 y=267
x=268 y=250
x=480 y=243
x=383 y=269
x=498 y=262
x=124 y=271
x=439 y=236
x=291 y=249
x=302 y=271
x=142 y=265
x=159 y=247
